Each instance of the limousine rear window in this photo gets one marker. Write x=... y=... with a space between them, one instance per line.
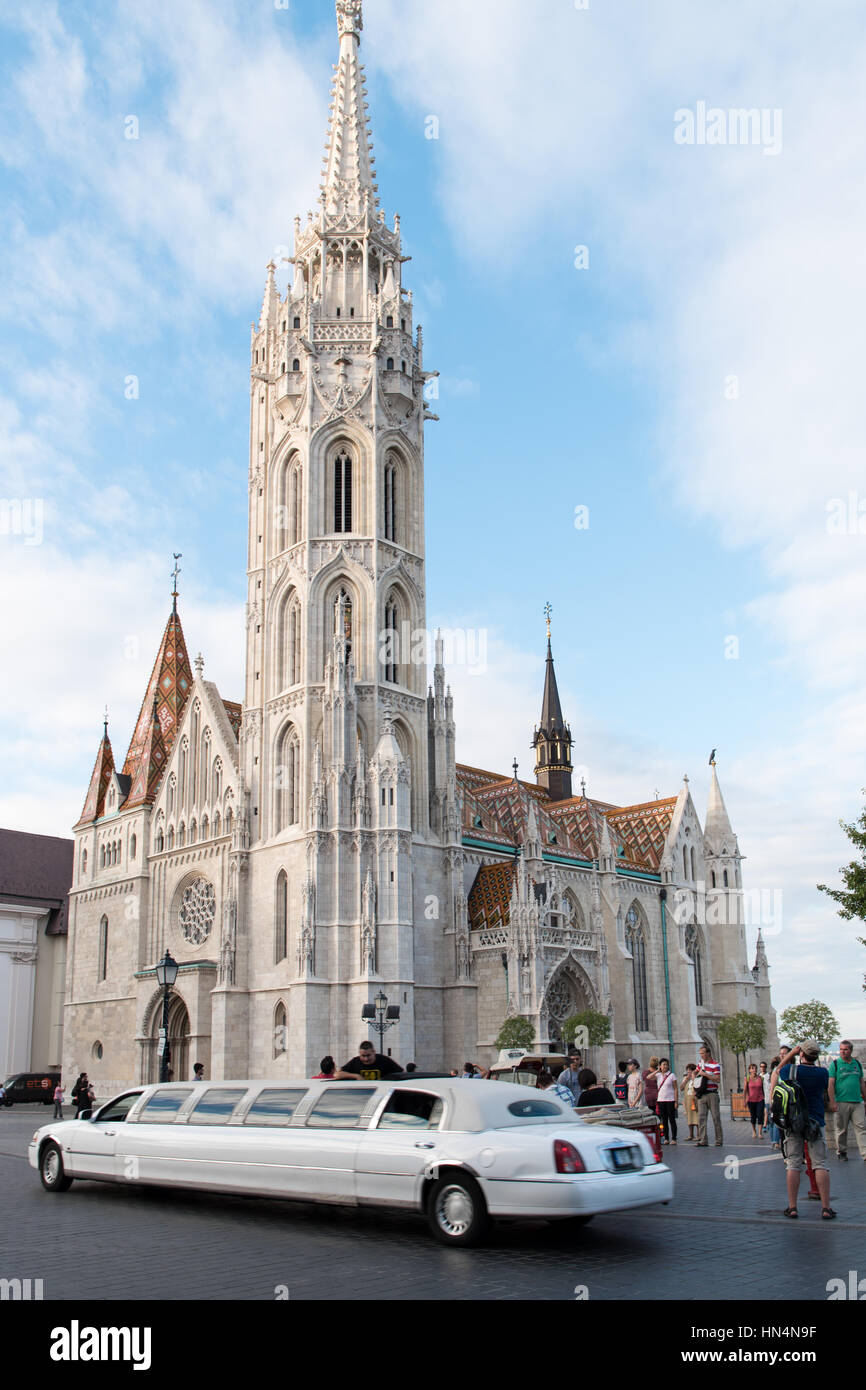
x=339 y=1107
x=163 y=1106
x=216 y=1106
x=273 y=1107
x=531 y=1109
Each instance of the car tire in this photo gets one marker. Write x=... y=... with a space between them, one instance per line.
x=51 y=1170
x=456 y=1210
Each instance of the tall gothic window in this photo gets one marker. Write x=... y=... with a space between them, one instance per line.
x=281 y=1030
x=342 y=492
x=287 y=779
x=693 y=951
x=390 y=502
x=635 y=943
x=103 y=949
x=296 y=504
x=685 y=861
x=390 y=651
x=293 y=653
x=281 y=918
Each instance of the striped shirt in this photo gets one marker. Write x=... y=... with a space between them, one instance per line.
x=714 y=1075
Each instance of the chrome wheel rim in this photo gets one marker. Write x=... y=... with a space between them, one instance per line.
x=454 y=1210
x=51 y=1165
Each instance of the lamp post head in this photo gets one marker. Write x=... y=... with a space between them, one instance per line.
x=381 y=1001
x=166 y=971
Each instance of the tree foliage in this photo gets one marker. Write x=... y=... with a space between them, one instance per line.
x=741 y=1033
x=852 y=898
x=811 y=1020
x=515 y=1032
x=597 y=1028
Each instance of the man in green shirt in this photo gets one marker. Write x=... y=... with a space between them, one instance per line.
x=848 y=1089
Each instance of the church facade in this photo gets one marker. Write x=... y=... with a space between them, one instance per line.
x=301 y=851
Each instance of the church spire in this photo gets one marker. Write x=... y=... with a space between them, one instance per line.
x=348 y=174
x=161 y=710
x=552 y=738
x=719 y=836
x=94 y=802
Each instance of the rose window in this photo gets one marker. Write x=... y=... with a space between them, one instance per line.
x=559 y=1000
x=197 y=911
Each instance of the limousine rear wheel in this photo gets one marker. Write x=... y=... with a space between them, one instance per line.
x=456 y=1210
x=51 y=1171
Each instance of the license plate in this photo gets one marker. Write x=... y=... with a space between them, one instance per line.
x=623 y=1158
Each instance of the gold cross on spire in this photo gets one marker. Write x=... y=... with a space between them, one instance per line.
x=175 y=572
x=547 y=612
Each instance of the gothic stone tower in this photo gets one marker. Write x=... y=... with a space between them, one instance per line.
x=335 y=749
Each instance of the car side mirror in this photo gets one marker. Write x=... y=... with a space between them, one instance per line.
x=86 y=1115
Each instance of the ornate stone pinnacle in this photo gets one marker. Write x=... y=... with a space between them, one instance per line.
x=199 y=665
x=349 y=17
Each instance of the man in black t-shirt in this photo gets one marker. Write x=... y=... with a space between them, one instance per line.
x=369 y=1064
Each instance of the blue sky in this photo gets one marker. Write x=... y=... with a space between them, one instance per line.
x=607 y=387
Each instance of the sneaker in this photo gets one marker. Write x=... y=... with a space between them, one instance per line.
x=843 y=1158
x=699 y=1145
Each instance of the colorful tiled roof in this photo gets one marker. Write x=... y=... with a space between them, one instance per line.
x=94 y=802
x=169 y=686
x=234 y=712
x=490 y=896
x=642 y=831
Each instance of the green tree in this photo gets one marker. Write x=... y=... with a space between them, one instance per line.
x=812 y=1020
x=597 y=1028
x=515 y=1032
x=740 y=1034
x=852 y=898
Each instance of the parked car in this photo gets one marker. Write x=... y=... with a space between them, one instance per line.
x=460 y=1153
x=29 y=1087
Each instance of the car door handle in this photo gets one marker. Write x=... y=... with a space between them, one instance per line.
x=424 y=1144
x=111 y=1132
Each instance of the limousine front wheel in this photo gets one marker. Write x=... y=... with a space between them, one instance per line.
x=51 y=1171
x=456 y=1210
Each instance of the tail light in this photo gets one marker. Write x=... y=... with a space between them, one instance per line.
x=653 y=1134
x=566 y=1157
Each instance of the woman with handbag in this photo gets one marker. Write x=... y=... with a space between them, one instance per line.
x=690 y=1103
x=668 y=1101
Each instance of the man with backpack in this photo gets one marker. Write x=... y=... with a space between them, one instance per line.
x=848 y=1090
x=798 y=1109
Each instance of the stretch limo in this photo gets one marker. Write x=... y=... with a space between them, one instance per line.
x=461 y=1152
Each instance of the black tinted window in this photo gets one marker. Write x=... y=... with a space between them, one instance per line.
x=274 y=1107
x=526 y=1109
x=216 y=1106
x=163 y=1106
x=339 y=1107
x=411 y=1110
x=118 y=1109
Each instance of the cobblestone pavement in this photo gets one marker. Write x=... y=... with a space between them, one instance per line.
x=721 y=1238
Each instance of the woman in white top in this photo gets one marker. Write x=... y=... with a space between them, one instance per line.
x=765 y=1075
x=666 y=1105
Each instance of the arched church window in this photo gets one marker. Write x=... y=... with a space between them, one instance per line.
x=103 y=949
x=296 y=364
x=293 y=642
x=84 y=861
x=102 y=856
x=217 y=779
x=390 y=502
x=133 y=846
x=342 y=492
x=172 y=786
x=229 y=821
x=170 y=841
x=712 y=878
x=390 y=646
x=389 y=322
x=204 y=827
x=281 y=1030
x=160 y=842
x=636 y=944
x=192 y=832
x=182 y=789
x=287 y=779
x=692 y=858
x=685 y=861
x=216 y=824
x=389 y=365
x=181 y=835
x=725 y=878
x=281 y=919
x=693 y=951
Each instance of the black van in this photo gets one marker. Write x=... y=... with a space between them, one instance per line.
x=30 y=1087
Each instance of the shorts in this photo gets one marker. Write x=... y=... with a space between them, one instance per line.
x=793 y=1150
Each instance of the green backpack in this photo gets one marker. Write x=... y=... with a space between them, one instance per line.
x=791 y=1109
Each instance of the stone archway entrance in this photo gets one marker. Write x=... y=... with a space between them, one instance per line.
x=566 y=994
x=178 y=1040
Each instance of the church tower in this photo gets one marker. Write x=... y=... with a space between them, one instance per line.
x=335 y=731
x=552 y=738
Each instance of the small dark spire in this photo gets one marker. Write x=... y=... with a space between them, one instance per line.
x=514 y=765
x=552 y=739
x=175 y=572
x=105 y=723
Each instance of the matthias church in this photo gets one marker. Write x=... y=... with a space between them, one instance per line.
x=316 y=843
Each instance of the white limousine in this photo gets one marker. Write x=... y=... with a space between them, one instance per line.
x=461 y=1152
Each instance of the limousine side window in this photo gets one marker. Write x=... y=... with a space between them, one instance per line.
x=339 y=1107
x=216 y=1106
x=274 y=1107
x=117 y=1110
x=163 y=1106
x=411 y=1110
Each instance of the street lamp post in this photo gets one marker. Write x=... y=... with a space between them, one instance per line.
x=380 y=1016
x=166 y=974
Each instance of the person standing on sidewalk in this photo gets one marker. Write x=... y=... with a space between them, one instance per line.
x=690 y=1100
x=813 y=1081
x=847 y=1089
x=753 y=1094
x=635 y=1084
x=650 y=1084
x=58 y=1102
x=766 y=1072
x=708 y=1098
x=668 y=1101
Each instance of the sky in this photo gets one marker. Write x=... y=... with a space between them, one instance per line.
x=650 y=408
